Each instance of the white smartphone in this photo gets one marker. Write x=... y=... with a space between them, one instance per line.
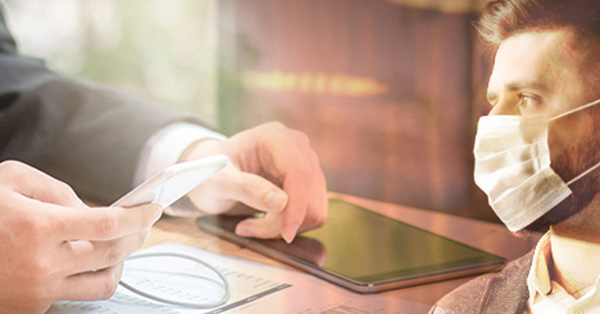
x=172 y=183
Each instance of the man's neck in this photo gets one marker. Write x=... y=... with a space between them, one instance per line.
x=575 y=247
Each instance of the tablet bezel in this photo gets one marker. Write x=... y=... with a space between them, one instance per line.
x=224 y=226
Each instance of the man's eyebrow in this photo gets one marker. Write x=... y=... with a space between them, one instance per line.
x=513 y=86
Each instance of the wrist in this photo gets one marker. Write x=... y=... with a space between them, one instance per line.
x=202 y=148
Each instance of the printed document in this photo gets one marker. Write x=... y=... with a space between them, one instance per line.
x=254 y=288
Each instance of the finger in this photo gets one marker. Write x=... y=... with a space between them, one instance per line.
x=37 y=185
x=257 y=192
x=298 y=185
x=97 y=285
x=300 y=138
x=82 y=256
x=318 y=205
x=268 y=227
x=106 y=223
x=299 y=168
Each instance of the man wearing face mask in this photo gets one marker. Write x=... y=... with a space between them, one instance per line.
x=536 y=156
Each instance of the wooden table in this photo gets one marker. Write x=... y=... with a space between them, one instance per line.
x=491 y=237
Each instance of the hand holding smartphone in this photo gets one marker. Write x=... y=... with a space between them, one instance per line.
x=172 y=183
x=165 y=188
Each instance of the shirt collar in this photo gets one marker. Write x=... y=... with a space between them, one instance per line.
x=538 y=280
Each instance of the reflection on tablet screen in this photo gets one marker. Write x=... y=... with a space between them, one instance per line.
x=368 y=249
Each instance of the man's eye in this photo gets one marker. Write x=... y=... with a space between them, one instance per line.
x=527 y=101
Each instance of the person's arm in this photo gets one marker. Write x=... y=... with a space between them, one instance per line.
x=85 y=134
x=92 y=137
x=273 y=170
x=53 y=246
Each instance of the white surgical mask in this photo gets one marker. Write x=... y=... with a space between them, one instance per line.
x=512 y=167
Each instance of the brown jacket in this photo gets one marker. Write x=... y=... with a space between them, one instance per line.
x=502 y=292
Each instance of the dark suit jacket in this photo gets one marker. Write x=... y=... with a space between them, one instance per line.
x=502 y=292
x=85 y=134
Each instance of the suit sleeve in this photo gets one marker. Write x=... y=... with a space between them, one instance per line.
x=85 y=134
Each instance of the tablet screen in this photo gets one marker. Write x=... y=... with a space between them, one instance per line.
x=370 y=249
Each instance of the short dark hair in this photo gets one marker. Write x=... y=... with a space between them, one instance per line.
x=502 y=19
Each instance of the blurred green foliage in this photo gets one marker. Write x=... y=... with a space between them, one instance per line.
x=160 y=49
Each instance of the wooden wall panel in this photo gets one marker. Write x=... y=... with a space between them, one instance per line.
x=384 y=91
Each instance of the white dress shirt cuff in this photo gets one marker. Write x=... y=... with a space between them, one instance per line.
x=166 y=146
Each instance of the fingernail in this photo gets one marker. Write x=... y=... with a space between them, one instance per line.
x=276 y=200
x=243 y=231
x=289 y=234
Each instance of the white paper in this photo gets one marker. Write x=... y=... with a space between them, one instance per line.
x=254 y=288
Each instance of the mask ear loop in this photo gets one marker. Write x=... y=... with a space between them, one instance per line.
x=583 y=174
x=150 y=296
x=593 y=103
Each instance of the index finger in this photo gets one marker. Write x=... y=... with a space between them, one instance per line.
x=297 y=169
x=297 y=184
x=107 y=223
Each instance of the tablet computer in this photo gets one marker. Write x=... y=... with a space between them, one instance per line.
x=365 y=251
